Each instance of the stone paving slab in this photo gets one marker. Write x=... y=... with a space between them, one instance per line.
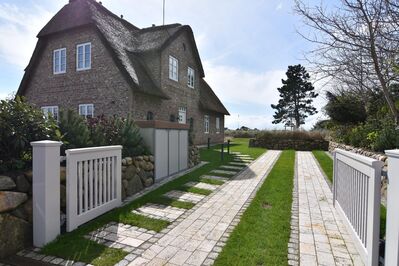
x=215 y=177
x=158 y=211
x=196 y=239
x=122 y=236
x=228 y=167
x=184 y=196
x=238 y=163
x=226 y=172
x=323 y=238
x=202 y=185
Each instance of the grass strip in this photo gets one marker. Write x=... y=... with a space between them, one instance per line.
x=212 y=181
x=261 y=237
x=74 y=246
x=325 y=162
x=173 y=203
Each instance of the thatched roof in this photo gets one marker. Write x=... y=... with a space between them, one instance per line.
x=209 y=100
x=127 y=43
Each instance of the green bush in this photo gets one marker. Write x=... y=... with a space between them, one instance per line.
x=291 y=135
x=117 y=131
x=76 y=133
x=20 y=124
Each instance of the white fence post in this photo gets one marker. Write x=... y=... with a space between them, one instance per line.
x=46 y=191
x=392 y=229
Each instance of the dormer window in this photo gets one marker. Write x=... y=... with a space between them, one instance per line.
x=83 y=56
x=59 y=61
x=173 y=68
x=190 y=77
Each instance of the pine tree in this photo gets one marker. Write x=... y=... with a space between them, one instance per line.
x=297 y=95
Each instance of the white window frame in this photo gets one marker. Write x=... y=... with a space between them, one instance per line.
x=85 y=67
x=53 y=110
x=206 y=124
x=173 y=68
x=217 y=125
x=59 y=52
x=190 y=77
x=86 y=108
x=182 y=115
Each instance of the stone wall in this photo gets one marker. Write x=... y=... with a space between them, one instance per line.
x=193 y=156
x=137 y=173
x=284 y=144
x=15 y=212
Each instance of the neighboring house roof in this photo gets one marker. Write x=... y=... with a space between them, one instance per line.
x=209 y=100
x=127 y=43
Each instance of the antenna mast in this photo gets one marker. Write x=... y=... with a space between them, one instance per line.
x=163 y=13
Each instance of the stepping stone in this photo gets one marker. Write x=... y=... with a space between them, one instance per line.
x=242 y=160
x=184 y=196
x=214 y=177
x=232 y=167
x=121 y=235
x=158 y=211
x=242 y=156
x=202 y=185
x=220 y=171
x=235 y=152
x=237 y=163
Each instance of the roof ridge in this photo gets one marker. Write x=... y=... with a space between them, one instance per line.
x=160 y=27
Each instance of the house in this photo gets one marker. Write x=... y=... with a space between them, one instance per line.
x=95 y=62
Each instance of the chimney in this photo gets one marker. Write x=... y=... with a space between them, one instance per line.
x=153 y=25
x=121 y=16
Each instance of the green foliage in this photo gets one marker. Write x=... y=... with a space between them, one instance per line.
x=20 y=124
x=75 y=130
x=345 y=108
x=117 y=131
x=297 y=94
x=290 y=135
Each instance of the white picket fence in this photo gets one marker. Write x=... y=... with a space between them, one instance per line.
x=93 y=183
x=357 y=186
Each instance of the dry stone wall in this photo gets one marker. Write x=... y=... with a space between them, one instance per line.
x=15 y=212
x=193 y=156
x=137 y=173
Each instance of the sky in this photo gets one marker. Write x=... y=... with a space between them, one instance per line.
x=245 y=46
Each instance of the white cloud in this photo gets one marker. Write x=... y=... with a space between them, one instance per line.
x=19 y=28
x=238 y=86
x=279 y=6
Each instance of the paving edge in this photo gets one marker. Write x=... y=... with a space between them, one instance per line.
x=217 y=249
x=293 y=243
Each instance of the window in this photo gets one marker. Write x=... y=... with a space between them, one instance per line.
x=217 y=124
x=86 y=110
x=182 y=115
x=190 y=77
x=206 y=123
x=52 y=110
x=150 y=115
x=83 y=56
x=173 y=68
x=59 y=61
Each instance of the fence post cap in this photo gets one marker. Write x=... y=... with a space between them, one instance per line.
x=46 y=143
x=392 y=153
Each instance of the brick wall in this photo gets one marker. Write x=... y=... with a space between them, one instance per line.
x=105 y=87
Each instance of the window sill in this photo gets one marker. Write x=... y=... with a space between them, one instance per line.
x=82 y=69
x=58 y=73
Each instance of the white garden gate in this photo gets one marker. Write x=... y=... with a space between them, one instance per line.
x=93 y=183
x=357 y=184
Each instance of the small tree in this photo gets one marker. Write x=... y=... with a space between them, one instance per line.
x=297 y=95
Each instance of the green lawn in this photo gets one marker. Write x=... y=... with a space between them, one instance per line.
x=261 y=237
x=325 y=162
x=75 y=247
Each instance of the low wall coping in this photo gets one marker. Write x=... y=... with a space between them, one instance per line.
x=161 y=124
